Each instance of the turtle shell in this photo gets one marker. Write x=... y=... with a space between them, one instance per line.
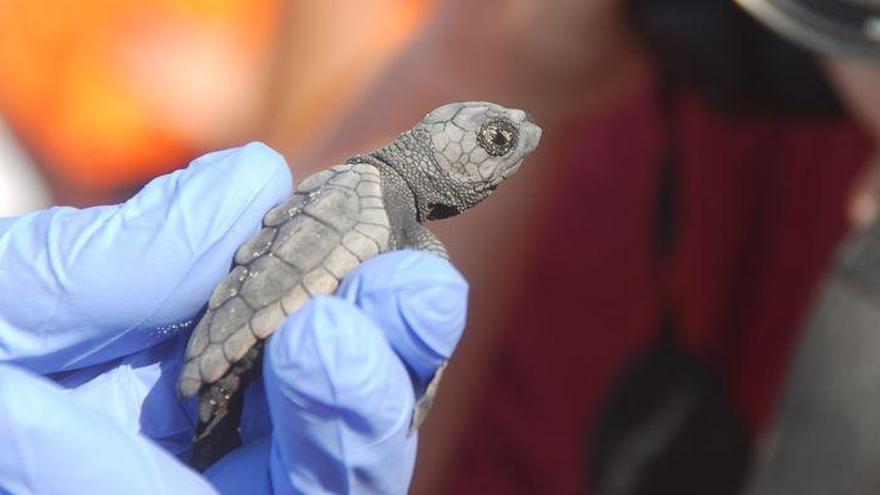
x=334 y=221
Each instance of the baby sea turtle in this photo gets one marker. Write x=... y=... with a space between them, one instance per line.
x=338 y=218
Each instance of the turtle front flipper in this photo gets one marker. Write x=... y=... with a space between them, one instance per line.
x=426 y=401
x=417 y=236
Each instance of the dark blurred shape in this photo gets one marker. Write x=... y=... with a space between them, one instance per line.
x=730 y=59
x=669 y=426
x=669 y=429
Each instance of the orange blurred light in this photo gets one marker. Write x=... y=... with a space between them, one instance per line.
x=107 y=94
x=76 y=79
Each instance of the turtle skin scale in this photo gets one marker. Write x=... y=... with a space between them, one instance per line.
x=334 y=221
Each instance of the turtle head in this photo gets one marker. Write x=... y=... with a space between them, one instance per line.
x=475 y=146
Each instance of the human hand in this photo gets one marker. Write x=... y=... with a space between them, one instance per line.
x=99 y=300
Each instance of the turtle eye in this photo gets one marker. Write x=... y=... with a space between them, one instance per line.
x=497 y=137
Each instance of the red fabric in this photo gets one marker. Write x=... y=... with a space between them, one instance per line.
x=761 y=206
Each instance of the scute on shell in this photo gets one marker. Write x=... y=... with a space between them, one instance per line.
x=237 y=345
x=285 y=211
x=228 y=318
x=266 y=320
x=320 y=281
x=256 y=246
x=315 y=180
x=295 y=299
x=360 y=245
x=212 y=363
x=341 y=262
x=198 y=341
x=270 y=278
x=228 y=288
x=304 y=242
x=336 y=208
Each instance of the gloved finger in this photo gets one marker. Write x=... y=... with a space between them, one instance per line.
x=340 y=401
x=78 y=287
x=139 y=391
x=420 y=303
x=54 y=444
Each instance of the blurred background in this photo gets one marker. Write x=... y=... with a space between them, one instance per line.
x=637 y=289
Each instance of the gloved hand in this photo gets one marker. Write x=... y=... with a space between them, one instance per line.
x=101 y=301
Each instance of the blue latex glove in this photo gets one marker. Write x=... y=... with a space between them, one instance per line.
x=100 y=302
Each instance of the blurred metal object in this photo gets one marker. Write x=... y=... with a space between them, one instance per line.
x=840 y=27
x=825 y=438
